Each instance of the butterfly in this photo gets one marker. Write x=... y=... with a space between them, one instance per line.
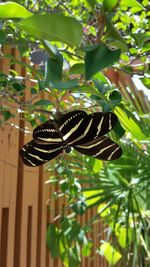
x=76 y=129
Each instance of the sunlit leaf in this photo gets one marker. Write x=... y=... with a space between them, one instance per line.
x=53 y=27
x=131 y=3
x=110 y=253
x=13 y=10
x=129 y=124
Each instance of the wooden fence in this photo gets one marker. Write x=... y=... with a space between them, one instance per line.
x=24 y=212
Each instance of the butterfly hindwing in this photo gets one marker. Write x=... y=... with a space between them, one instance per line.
x=35 y=154
x=101 y=148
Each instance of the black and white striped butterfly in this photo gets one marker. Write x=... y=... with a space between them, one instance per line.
x=75 y=129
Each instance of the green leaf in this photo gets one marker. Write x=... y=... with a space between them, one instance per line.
x=6 y=114
x=113 y=34
x=13 y=10
x=98 y=58
x=52 y=239
x=118 y=130
x=18 y=86
x=79 y=207
x=129 y=124
x=53 y=71
x=53 y=27
x=3 y=36
x=92 y=196
x=109 y=4
x=146 y=82
x=87 y=248
x=53 y=51
x=42 y=102
x=131 y=3
x=110 y=253
x=115 y=98
x=122 y=236
x=62 y=85
x=77 y=68
x=98 y=164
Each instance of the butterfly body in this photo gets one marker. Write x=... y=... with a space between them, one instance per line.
x=75 y=129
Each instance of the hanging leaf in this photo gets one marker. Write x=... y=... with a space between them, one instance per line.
x=52 y=239
x=13 y=10
x=110 y=253
x=53 y=27
x=53 y=71
x=98 y=58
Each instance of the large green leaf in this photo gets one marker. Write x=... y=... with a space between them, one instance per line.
x=53 y=27
x=129 y=124
x=98 y=58
x=13 y=10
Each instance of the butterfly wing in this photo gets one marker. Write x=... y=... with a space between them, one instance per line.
x=101 y=148
x=70 y=125
x=47 y=132
x=34 y=154
x=92 y=126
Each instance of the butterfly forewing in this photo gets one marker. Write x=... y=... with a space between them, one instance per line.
x=48 y=132
x=69 y=125
x=92 y=126
x=101 y=148
x=35 y=154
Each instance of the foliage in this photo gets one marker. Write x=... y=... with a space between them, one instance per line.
x=84 y=55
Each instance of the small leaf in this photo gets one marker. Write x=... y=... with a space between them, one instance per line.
x=115 y=98
x=13 y=10
x=98 y=164
x=79 y=207
x=146 y=82
x=53 y=27
x=6 y=114
x=42 y=102
x=18 y=86
x=87 y=248
x=98 y=58
x=77 y=68
x=110 y=253
x=3 y=36
x=109 y=4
